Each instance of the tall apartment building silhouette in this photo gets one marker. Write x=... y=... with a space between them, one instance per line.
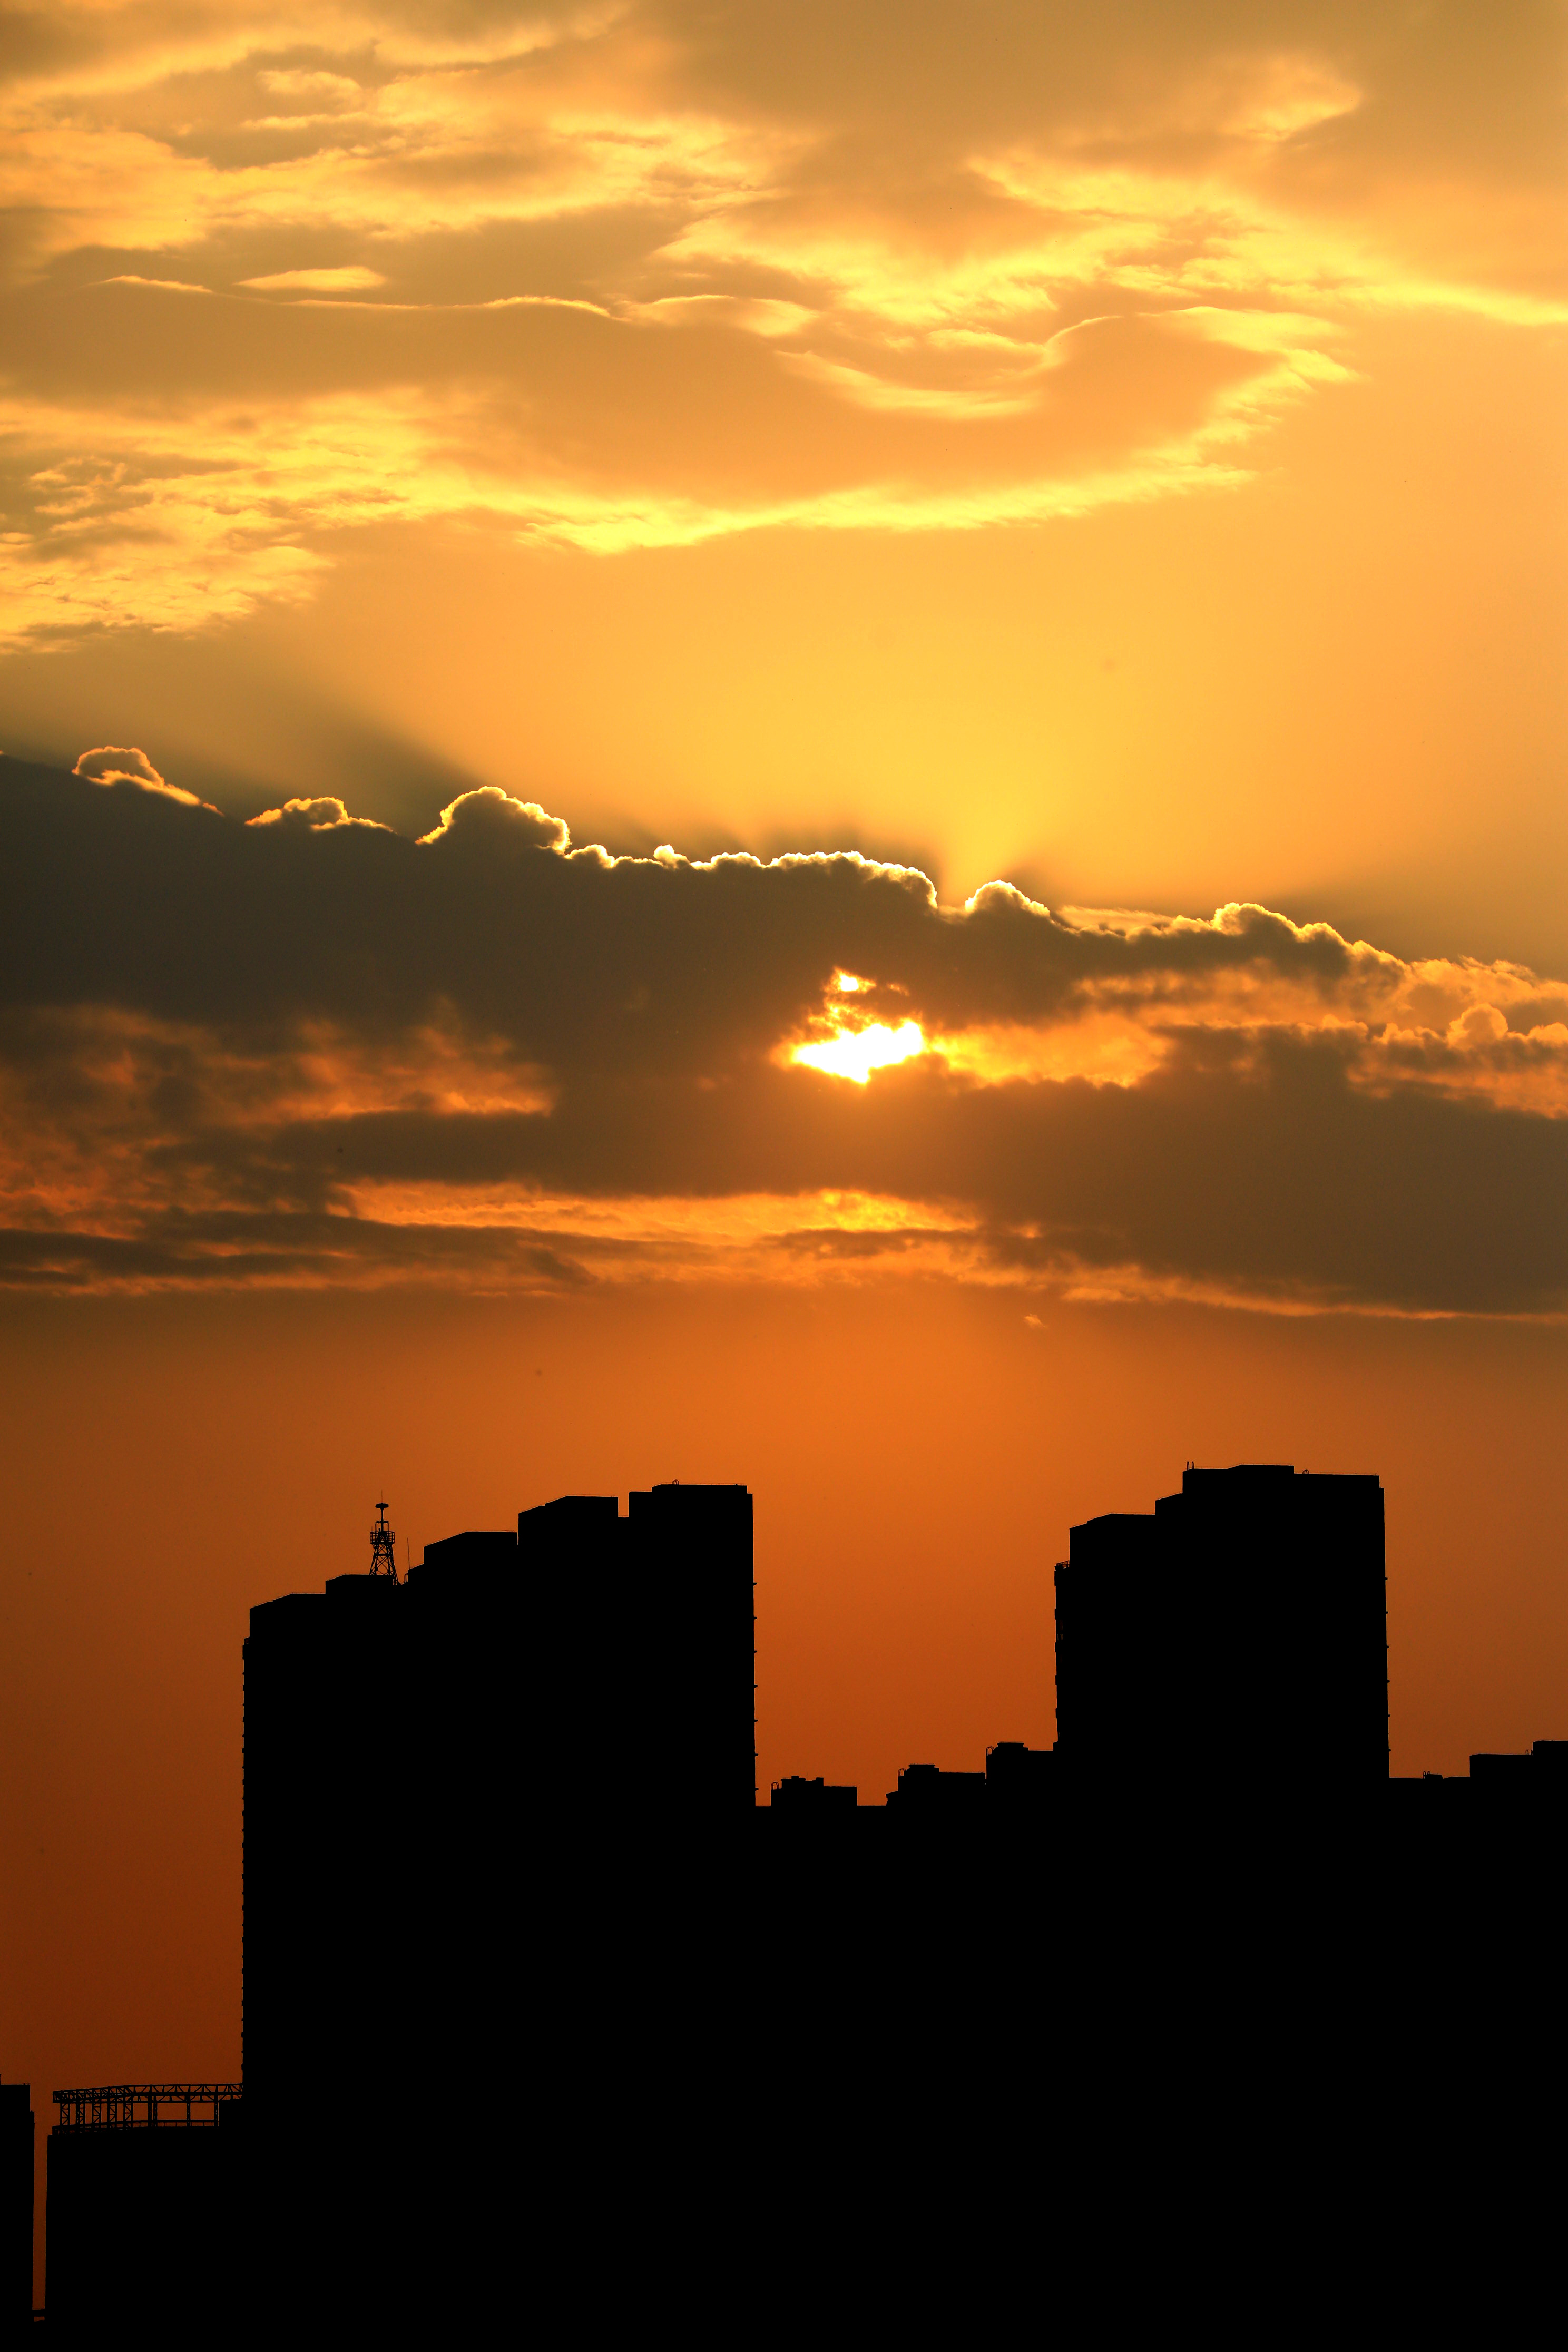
x=1239 y=1630
x=661 y=1604
x=16 y=2172
x=420 y=1759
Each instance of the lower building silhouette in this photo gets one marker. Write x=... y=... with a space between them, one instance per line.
x=813 y=1797
x=146 y=2199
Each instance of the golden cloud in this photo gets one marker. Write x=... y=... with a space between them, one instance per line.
x=964 y=308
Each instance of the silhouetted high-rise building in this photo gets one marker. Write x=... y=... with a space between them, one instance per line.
x=694 y=1618
x=415 y=1790
x=648 y=1626
x=1237 y=1633
x=16 y=2173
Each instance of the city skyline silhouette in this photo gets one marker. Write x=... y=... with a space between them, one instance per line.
x=359 y=1971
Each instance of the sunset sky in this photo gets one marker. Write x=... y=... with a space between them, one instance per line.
x=821 y=744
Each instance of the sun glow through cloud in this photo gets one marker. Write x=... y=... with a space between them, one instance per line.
x=856 y=1053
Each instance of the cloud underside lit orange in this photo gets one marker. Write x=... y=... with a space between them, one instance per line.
x=626 y=278
x=307 y=1051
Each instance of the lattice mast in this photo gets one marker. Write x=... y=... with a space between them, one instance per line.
x=383 y=1542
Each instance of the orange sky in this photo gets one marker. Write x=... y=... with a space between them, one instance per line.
x=453 y=453
x=1105 y=453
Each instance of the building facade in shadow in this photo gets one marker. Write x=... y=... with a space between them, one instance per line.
x=1237 y=1633
x=16 y=2176
x=433 y=1772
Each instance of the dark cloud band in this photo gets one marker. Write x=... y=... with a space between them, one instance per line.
x=230 y=1052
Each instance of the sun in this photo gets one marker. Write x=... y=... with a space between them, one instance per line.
x=856 y=1053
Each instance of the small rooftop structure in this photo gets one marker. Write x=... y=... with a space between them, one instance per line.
x=143 y=2106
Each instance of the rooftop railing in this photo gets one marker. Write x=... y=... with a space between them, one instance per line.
x=143 y=2106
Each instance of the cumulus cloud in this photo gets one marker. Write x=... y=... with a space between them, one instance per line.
x=311 y=1051
x=125 y=764
x=319 y=815
x=491 y=819
x=119 y=763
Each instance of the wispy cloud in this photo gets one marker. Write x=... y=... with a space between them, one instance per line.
x=352 y=279
x=1000 y=282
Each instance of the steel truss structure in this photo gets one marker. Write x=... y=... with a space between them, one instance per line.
x=382 y=1547
x=141 y=2107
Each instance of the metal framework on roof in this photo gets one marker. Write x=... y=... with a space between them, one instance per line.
x=143 y=2107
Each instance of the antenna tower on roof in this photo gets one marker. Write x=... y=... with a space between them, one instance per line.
x=383 y=1554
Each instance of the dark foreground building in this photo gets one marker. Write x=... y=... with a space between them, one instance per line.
x=1235 y=1636
x=17 y=2172
x=146 y=2204
x=443 y=1781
